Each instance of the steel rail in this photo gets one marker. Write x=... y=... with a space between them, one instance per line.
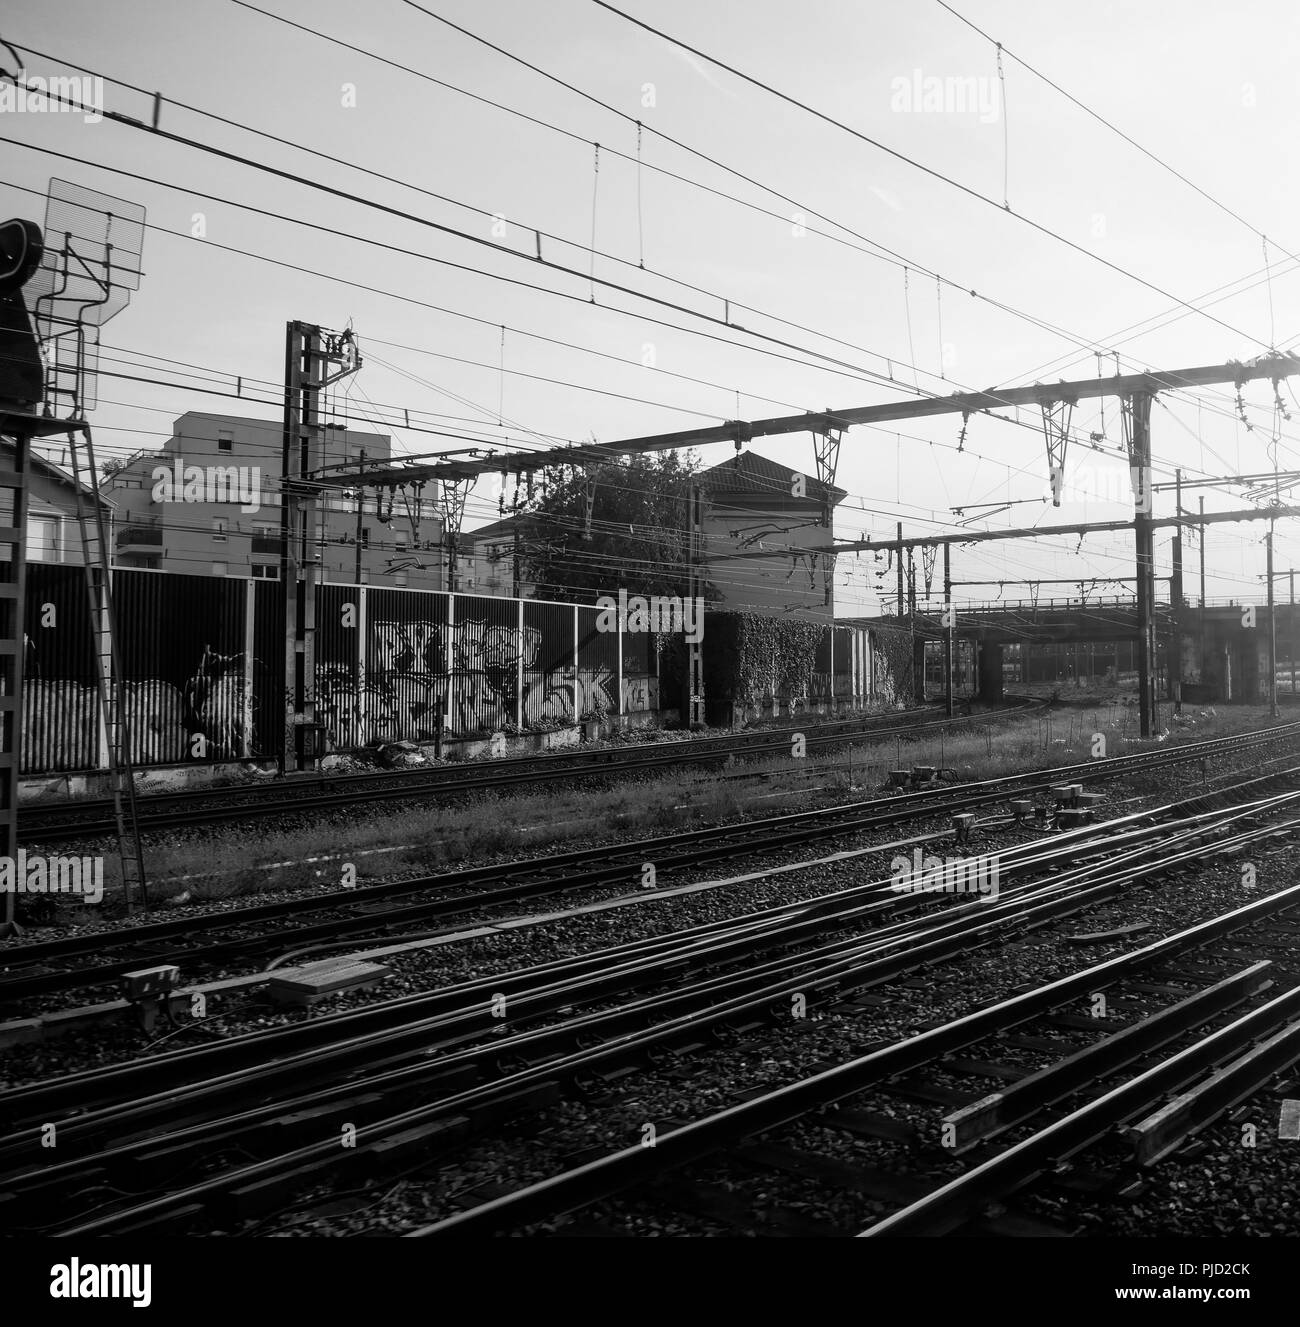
x=466 y=1006
x=447 y=1112
x=637 y=1165
x=954 y=1203
x=196 y=806
x=142 y=942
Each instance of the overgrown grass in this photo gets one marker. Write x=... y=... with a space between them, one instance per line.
x=1063 y=735
x=384 y=844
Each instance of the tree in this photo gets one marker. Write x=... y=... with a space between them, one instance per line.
x=115 y=464
x=639 y=528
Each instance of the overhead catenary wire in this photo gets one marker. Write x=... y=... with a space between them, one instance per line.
x=931 y=171
x=876 y=249
x=275 y=429
x=1101 y=119
x=593 y=246
x=550 y=264
x=456 y=202
x=829 y=360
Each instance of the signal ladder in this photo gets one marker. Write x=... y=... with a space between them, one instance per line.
x=108 y=670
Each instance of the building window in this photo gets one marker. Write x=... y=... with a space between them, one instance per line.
x=399 y=579
x=365 y=536
x=44 y=538
x=265 y=572
x=220 y=568
x=219 y=526
x=399 y=543
x=225 y=440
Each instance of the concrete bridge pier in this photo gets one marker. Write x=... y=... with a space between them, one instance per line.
x=918 y=669
x=989 y=671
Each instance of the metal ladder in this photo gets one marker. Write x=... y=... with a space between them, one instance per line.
x=108 y=672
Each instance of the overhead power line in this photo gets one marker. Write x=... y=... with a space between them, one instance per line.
x=1101 y=119
x=727 y=303
x=910 y=161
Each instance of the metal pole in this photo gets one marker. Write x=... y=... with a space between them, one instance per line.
x=1145 y=549
x=1176 y=602
x=918 y=645
x=289 y=559
x=948 y=640
x=832 y=631
x=1176 y=645
x=1290 y=637
x=1202 y=503
x=695 y=683
x=361 y=511
x=1200 y=628
x=1272 y=632
x=900 y=569
x=309 y=451
x=299 y=555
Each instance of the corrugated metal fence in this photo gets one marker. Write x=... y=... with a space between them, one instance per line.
x=203 y=657
x=193 y=689
x=61 y=723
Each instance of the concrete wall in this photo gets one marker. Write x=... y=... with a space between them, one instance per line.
x=1223 y=660
x=795 y=584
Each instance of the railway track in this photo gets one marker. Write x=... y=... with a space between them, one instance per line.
x=252 y=933
x=92 y=818
x=564 y=982
x=425 y=1071
x=1174 y=1024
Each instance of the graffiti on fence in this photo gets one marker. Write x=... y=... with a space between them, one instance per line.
x=640 y=694
x=407 y=682
x=203 y=719
x=214 y=706
x=61 y=717
x=567 y=693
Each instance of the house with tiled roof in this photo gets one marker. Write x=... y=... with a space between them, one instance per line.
x=53 y=534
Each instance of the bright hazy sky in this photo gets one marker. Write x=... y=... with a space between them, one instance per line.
x=1212 y=92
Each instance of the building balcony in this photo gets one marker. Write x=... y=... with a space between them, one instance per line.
x=139 y=539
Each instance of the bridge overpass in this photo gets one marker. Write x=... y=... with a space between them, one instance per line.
x=1213 y=653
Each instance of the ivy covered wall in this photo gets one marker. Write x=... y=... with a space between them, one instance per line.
x=749 y=658
x=892 y=665
x=754 y=663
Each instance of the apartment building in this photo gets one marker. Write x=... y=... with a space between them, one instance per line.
x=485 y=562
x=208 y=503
